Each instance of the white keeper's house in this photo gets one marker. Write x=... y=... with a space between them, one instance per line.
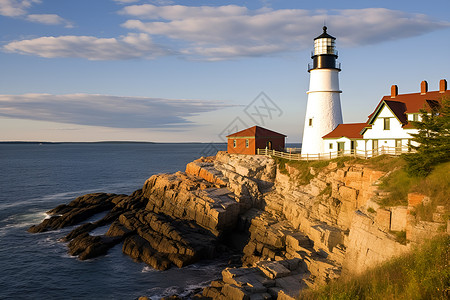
x=388 y=129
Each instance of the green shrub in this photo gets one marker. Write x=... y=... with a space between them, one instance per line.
x=433 y=138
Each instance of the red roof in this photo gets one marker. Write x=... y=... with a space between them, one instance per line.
x=409 y=104
x=256 y=131
x=416 y=101
x=351 y=131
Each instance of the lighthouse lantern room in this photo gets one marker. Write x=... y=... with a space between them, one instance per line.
x=323 y=110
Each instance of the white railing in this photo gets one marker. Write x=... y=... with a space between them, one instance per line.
x=324 y=156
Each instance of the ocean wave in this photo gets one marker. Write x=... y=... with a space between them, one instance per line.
x=148 y=269
x=182 y=292
x=20 y=221
x=70 y=195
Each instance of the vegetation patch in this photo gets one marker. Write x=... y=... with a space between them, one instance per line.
x=400 y=236
x=326 y=191
x=398 y=184
x=303 y=175
x=437 y=187
x=422 y=274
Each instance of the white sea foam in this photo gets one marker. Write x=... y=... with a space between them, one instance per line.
x=148 y=269
x=19 y=221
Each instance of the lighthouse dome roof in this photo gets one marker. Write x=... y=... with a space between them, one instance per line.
x=325 y=34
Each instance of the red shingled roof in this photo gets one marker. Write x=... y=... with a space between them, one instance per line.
x=351 y=131
x=256 y=131
x=416 y=101
x=409 y=104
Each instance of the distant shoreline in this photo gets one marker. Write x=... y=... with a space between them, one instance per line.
x=102 y=142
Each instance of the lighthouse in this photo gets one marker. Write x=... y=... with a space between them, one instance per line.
x=323 y=110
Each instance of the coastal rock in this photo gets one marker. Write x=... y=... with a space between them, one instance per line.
x=295 y=230
x=76 y=211
x=204 y=168
x=86 y=246
x=176 y=241
x=186 y=197
x=369 y=245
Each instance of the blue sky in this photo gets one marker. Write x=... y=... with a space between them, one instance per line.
x=168 y=71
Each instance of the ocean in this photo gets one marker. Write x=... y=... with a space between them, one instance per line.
x=37 y=177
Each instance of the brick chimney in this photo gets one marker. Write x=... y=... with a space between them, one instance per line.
x=442 y=86
x=394 y=91
x=423 y=87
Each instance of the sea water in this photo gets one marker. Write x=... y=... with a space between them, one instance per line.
x=37 y=177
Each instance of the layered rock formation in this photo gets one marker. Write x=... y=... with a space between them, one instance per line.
x=298 y=235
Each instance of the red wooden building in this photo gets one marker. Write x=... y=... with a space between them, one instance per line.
x=250 y=139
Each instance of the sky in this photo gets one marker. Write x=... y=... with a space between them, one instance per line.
x=196 y=71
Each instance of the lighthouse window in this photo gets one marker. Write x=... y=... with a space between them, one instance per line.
x=310 y=122
x=246 y=143
x=324 y=46
x=387 y=124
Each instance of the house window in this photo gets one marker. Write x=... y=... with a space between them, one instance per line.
x=416 y=117
x=331 y=145
x=234 y=143
x=246 y=143
x=310 y=122
x=387 y=123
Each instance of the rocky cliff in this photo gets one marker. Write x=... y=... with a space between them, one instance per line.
x=296 y=235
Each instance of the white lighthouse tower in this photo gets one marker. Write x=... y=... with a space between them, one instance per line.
x=323 y=111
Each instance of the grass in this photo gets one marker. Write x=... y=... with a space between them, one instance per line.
x=398 y=184
x=303 y=167
x=422 y=274
x=400 y=236
x=436 y=186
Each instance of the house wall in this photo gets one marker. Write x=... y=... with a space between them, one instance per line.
x=360 y=145
x=241 y=145
x=278 y=144
x=386 y=138
x=377 y=131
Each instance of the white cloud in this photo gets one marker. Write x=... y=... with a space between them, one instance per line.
x=49 y=19
x=15 y=8
x=19 y=8
x=88 y=47
x=104 y=110
x=231 y=31
x=180 y=12
x=125 y=1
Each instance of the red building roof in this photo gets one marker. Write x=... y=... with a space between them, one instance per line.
x=351 y=131
x=256 y=131
x=404 y=104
